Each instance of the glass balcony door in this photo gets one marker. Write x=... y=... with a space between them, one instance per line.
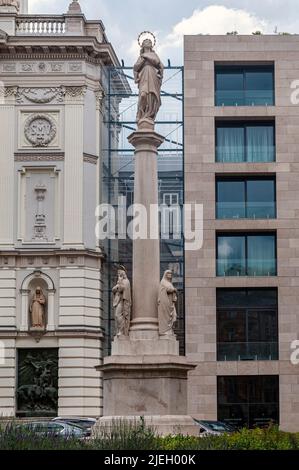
x=244 y=85
x=252 y=142
x=246 y=254
x=245 y=198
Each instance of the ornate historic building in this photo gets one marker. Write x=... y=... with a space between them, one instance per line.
x=51 y=91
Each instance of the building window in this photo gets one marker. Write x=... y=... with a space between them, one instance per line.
x=248 y=400
x=244 y=85
x=246 y=197
x=252 y=142
x=251 y=254
x=247 y=325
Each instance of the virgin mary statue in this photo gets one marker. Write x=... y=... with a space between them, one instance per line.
x=148 y=74
x=166 y=305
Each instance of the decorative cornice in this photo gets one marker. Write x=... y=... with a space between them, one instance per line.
x=45 y=157
x=93 y=159
x=51 y=56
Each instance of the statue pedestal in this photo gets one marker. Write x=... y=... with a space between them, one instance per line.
x=147 y=378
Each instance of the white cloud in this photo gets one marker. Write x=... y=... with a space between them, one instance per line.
x=215 y=19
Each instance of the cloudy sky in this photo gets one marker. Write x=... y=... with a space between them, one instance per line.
x=171 y=19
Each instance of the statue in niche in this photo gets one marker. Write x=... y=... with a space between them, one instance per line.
x=167 y=314
x=148 y=74
x=37 y=309
x=122 y=303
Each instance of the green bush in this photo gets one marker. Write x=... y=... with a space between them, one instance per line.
x=124 y=435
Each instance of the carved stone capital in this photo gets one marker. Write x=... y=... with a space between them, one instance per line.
x=8 y=91
x=75 y=92
x=100 y=95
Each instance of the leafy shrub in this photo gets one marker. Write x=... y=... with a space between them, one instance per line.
x=135 y=435
x=126 y=435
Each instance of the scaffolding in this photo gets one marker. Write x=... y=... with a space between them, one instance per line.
x=119 y=121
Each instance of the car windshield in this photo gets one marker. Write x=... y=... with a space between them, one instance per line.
x=216 y=426
x=81 y=423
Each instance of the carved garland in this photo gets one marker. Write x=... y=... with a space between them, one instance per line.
x=40 y=95
x=40 y=130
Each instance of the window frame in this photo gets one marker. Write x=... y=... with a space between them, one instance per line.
x=245 y=311
x=241 y=123
x=249 y=402
x=246 y=235
x=245 y=178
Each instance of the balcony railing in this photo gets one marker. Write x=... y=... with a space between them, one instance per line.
x=259 y=351
x=249 y=210
x=243 y=267
x=40 y=25
x=245 y=98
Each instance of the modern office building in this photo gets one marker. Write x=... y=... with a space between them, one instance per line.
x=242 y=164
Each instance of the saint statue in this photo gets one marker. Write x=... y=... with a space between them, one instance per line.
x=37 y=309
x=148 y=74
x=122 y=303
x=166 y=305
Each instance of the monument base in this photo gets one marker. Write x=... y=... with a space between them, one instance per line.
x=153 y=386
x=162 y=425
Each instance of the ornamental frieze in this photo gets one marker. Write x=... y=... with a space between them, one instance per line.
x=40 y=95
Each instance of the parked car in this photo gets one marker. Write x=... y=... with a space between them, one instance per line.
x=50 y=428
x=85 y=423
x=213 y=428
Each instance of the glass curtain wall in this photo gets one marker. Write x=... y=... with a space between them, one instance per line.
x=118 y=179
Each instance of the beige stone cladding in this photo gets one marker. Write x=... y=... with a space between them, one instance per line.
x=201 y=54
x=51 y=95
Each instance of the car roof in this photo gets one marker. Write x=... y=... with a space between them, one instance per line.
x=73 y=418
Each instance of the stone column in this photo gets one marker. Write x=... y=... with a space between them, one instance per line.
x=73 y=167
x=24 y=326
x=146 y=252
x=7 y=139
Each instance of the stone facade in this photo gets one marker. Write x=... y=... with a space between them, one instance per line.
x=50 y=113
x=201 y=54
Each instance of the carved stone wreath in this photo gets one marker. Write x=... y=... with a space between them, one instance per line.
x=40 y=130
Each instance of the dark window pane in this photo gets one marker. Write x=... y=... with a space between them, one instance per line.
x=261 y=255
x=262 y=325
x=259 y=87
x=261 y=298
x=247 y=298
x=261 y=199
x=231 y=326
x=248 y=400
x=231 y=256
x=229 y=86
x=231 y=200
x=247 y=325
